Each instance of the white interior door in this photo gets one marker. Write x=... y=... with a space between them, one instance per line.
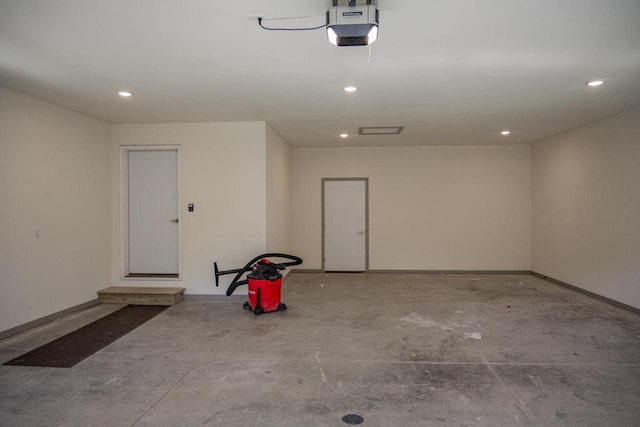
x=345 y=228
x=153 y=212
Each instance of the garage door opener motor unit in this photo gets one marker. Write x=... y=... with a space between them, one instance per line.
x=264 y=281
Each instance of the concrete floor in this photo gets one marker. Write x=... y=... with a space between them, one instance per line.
x=399 y=350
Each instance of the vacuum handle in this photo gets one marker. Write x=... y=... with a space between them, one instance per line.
x=284 y=265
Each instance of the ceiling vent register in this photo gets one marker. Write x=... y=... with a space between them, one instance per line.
x=380 y=130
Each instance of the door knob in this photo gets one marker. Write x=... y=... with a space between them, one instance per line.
x=174 y=220
x=360 y=232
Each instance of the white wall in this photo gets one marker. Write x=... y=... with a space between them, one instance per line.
x=54 y=174
x=278 y=193
x=586 y=207
x=223 y=172
x=442 y=208
x=430 y=208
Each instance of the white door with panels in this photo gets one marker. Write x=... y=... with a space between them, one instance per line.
x=153 y=212
x=345 y=227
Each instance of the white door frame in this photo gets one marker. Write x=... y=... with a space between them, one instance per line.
x=366 y=216
x=124 y=209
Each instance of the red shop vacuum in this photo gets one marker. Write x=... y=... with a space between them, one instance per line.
x=264 y=281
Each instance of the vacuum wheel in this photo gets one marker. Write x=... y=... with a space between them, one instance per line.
x=246 y=305
x=258 y=310
x=282 y=307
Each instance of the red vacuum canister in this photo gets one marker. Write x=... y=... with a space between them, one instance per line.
x=264 y=281
x=265 y=286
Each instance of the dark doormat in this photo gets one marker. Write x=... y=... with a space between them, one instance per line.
x=76 y=346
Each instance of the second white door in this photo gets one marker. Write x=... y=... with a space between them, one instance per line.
x=345 y=227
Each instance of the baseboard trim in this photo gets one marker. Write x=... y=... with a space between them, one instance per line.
x=216 y=297
x=587 y=293
x=46 y=319
x=449 y=271
x=419 y=271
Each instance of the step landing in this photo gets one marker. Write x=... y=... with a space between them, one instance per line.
x=141 y=295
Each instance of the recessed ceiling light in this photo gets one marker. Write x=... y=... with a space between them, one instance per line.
x=350 y=89
x=595 y=83
x=344 y=135
x=505 y=132
x=125 y=93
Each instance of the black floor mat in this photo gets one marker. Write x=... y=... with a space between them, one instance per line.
x=76 y=346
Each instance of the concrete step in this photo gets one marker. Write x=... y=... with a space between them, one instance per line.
x=141 y=295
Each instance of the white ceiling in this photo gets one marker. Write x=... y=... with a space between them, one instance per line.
x=449 y=71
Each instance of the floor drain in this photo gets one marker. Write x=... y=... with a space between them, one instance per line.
x=352 y=419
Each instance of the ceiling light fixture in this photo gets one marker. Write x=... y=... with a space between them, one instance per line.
x=350 y=89
x=595 y=83
x=353 y=25
x=125 y=93
x=505 y=132
x=344 y=135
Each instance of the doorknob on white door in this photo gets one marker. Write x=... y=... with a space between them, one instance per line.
x=174 y=220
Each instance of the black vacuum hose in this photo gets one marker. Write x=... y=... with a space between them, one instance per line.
x=235 y=283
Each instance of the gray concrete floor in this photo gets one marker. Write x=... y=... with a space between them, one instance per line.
x=397 y=349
